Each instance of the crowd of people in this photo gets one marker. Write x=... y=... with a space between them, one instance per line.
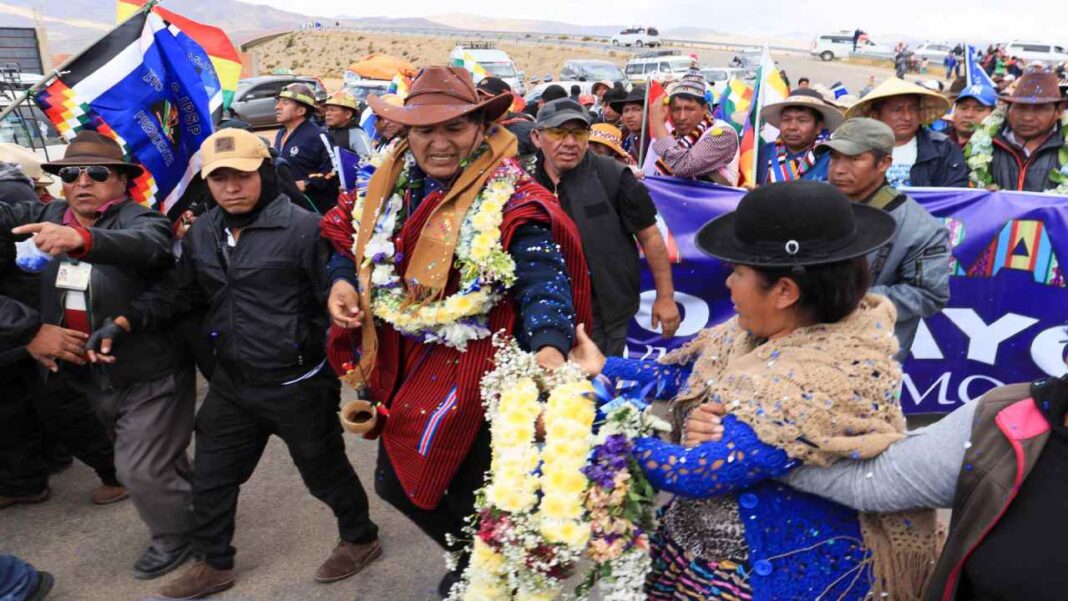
x=278 y=284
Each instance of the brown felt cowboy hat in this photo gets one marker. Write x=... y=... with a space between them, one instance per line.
x=90 y=148
x=1036 y=87
x=440 y=94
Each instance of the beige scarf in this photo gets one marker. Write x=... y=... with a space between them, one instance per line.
x=822 y=393
x=431 y=262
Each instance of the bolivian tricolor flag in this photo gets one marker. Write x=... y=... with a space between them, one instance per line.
x=153 y=90
x=214 y=41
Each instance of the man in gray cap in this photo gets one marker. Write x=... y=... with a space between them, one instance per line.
x=611 y=208
x=700 y=147
x=913 y=271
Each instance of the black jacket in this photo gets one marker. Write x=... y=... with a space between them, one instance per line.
x=609 y=207
x=939 y=162
x=1011 y=170
x=131 y=249
x=263 y=300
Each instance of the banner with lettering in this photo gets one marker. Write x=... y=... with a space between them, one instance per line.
x=1008 y=309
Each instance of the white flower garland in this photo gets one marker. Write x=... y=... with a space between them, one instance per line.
x=486 y=269
x=979 y=153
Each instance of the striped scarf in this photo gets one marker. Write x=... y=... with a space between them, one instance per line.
x=787 y=167
x=686 y=141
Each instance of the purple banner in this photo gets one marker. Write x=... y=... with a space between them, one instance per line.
x=1005 y=321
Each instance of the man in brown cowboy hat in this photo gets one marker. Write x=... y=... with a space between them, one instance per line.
x=1027 y=149
x=803 y=120
x=299 y=143
x=427 y=372
x=107 y=249
x=41 y=422
x=921 y=157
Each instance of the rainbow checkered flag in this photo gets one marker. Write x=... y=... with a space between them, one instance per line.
x=151 y=88
x=770 y=88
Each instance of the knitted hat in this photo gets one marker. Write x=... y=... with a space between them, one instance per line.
x=691 y=86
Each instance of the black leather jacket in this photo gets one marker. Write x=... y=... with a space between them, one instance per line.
x=263 y=300
x=131 y=249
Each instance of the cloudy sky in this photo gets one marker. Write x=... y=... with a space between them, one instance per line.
x=982 y=20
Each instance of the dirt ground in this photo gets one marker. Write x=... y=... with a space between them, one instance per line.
x=326 y=54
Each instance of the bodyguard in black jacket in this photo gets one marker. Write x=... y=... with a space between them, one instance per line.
x=255 y=267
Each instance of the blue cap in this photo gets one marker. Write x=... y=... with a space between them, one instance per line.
x=984 y=95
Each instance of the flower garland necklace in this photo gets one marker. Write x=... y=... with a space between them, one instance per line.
x=979 y=153
x=486 y=269
x=581 y=495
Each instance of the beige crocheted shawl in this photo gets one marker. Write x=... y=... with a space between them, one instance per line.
x=822 y=393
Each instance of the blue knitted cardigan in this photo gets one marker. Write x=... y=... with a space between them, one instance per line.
x=801 y=547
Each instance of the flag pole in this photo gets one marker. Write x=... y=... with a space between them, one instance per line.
x=645 y=123
x=60 y=70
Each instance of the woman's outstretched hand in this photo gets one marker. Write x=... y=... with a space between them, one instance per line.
x=704 y=425
x=586 y=354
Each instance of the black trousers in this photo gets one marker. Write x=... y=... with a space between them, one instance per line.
x=457 y=504
x=232 y=428
x=28 y=407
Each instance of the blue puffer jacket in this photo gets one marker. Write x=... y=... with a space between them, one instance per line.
x=800 y=546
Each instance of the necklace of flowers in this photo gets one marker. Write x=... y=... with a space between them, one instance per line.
x=530 y=526
x=486 y=269
x=581 y=496
x=979 y=153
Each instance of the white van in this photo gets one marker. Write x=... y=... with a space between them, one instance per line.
x=497 y=63
x=1050 y=54
x=637 y=36
x=663 y=66
x=829 y=46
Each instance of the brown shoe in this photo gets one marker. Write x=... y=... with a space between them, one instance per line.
x=105 y=495
x=200 y=580
x=347 y=559
x=40 y=497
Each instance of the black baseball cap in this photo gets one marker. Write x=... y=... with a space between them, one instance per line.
x=559 y=112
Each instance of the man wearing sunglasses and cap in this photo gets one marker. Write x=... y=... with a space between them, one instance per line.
x=107 y=250
x=255 y=267
x=300 y=143
x=612 y=209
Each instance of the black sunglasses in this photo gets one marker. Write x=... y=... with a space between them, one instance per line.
x=98 y=173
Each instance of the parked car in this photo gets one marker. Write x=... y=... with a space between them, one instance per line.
x=662 y=65
x=719 y=76
x=592 y=70
x=829 y=46
x=637 y=36
x=934 y=51
x=1050 y=54
x=535 y=92
x=496 y=62
x=255 y=97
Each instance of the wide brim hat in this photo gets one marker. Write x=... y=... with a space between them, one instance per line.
x=609 y=136
x=90 y=148
x=832 y=117
x=932 y=104
x=789 y=224
x=440 y=94
x=635 y=96
x=27 y=161
x=1040 y=87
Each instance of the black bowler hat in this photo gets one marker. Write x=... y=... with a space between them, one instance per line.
x=636 y=96
x=795 y=224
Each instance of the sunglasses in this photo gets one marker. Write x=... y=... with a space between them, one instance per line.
x=558 y=134
x=97 y=173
